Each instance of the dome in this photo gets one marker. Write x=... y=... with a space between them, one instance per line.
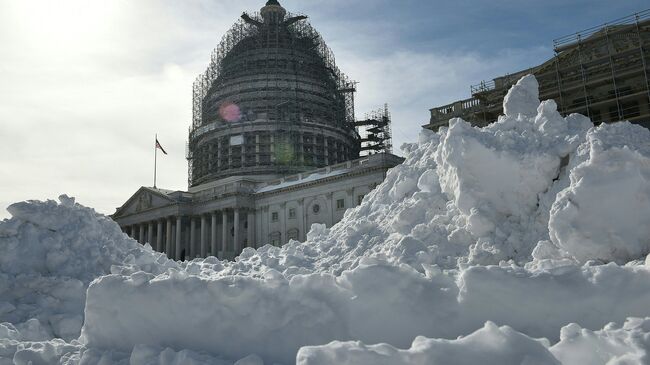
x=272 y=102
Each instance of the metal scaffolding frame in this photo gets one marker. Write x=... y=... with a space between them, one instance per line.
x=296 y=108
x=375 y=132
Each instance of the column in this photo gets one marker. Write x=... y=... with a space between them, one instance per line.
x=258 y=228
x=330 y=199
x=243 y=154
x=150 y=233
x=266 y=225
x=250 y=230
x=219 y=154
x=237 y=245
x=204 y=229
x=302 y=235
x=229 y=156
x=272 y=149
x=213 y=234
x=192 y=238
x=302 y=149
x=172 y=249
x=159 y=224
x=283 y=223
x=179 y=239
x=327 y=152
x=224 y=232
x=141 y=234
x=352 y=203
x=257 y=149
x=168 y=241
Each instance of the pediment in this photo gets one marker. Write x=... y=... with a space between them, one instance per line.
x=144 y=199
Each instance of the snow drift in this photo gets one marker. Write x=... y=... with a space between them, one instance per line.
x=517 y=243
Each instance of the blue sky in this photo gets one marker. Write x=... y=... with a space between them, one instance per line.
x=87 y=83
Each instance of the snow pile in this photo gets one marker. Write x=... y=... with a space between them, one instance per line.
x=499 y=345
x=50 y=254
x=274 y=317
x=483 y=195
x=613 y=344
x=605 y=213
x=487 y=245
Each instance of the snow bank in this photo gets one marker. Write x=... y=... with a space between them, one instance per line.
x=627 y=344
x=489 y=345
x=50 y=254
x=533 y=227
x=503 y=345
x=274 y=317
x=605 y=212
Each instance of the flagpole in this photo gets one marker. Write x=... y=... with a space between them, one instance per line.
x=155 y=160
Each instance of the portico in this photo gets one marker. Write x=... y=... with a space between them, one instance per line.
x=171 y=225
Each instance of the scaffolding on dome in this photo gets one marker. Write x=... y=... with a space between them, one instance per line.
x=241 y=30
x=248 y=34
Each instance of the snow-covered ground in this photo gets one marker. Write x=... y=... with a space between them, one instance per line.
x=523 y=242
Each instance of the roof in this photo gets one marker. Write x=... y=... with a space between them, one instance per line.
x=380 y=160
x=310 y=178
x=273 y=2
x=159 y=190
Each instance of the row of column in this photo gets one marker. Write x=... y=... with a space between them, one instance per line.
x=169 y=235
x=331 y=151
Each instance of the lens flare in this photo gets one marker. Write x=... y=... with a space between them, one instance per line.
x=230 y=112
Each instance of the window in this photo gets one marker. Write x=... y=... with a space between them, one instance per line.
x=340 y=204
x=275 y=238
x=292 y=234
x=359 y=199
x=315 y=208
x=292 y=213
x=274 y=217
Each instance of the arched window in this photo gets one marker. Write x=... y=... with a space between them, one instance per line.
x=275 y=237
x=292 y=234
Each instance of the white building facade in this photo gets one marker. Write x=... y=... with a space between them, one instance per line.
x=189 y=224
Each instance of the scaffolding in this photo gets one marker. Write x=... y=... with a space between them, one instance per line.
x=375 y=132
x=271 y=101
x=601 y=72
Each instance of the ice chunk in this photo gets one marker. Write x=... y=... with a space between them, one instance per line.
x=605 y=212
x=522 y=98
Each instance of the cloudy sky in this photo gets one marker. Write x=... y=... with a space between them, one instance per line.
x=85 y=84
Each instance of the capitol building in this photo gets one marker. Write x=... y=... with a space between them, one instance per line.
x=273 y=146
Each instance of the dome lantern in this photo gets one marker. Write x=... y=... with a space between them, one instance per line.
x=273 y=12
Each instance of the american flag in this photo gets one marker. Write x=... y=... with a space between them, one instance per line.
x=159 y=146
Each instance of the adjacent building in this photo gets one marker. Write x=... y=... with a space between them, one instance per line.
x=273 y=146
x=601 y=72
